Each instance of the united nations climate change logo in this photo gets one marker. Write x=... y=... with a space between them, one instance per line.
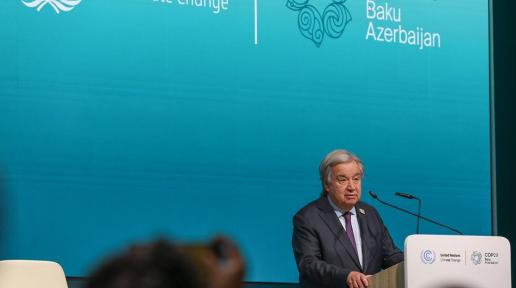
x=58 y=5
x=427 y=256
x=476 y=257
x=315 y=26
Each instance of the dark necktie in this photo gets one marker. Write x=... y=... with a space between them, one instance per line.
x=349 y=229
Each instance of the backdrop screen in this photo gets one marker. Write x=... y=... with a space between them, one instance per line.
x=126 y=120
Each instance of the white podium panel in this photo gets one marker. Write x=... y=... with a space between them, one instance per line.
x=443 y=261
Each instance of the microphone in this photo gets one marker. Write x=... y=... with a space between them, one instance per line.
x=409 y=196
x=375 y=196
x=406 y=195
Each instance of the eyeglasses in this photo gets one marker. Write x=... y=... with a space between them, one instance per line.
x=342 y=180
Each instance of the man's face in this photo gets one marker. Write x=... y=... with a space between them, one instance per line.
x=345 y=187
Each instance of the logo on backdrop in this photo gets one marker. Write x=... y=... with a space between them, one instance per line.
x=315 y=26
x=476 y=257
x=427 y=256
x=58 y=5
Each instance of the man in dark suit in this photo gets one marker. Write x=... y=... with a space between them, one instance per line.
x=339 y=240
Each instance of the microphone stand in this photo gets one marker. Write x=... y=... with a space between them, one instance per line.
x=410 y=196
x=413 y=214
x=418 y=214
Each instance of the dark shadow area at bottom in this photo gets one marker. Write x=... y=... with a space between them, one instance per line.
x=78 y=282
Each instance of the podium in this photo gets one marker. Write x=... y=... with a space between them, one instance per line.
x=392 y=277
x=440 y=261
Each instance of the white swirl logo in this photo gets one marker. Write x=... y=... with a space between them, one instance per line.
x=476 y=257
x=58 y=5
x=427 y=256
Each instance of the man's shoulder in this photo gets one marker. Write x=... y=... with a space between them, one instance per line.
x=312 y=207
x=364 y=208
x=363 y=205
x=322 y=203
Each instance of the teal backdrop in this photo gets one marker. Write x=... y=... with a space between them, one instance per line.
x=122 y=121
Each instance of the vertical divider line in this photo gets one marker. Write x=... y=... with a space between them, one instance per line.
x=255 y=22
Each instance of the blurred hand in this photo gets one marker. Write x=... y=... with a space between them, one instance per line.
x=229 y=271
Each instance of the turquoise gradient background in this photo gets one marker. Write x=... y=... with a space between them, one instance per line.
x=122 y=121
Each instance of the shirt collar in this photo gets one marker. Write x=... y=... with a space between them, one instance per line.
x=339 y=211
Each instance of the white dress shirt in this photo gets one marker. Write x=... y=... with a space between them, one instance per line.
x=354 y=224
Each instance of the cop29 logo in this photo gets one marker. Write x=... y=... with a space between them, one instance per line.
x=314 y=25
x=427 y=256
x=58 y=5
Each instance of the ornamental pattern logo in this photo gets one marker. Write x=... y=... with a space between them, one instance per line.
x=58 y=5
x=427 y=256
x=315 y=26
x=476 y=257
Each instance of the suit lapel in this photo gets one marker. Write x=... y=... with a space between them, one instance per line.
x=330 y=218
x=364 y=234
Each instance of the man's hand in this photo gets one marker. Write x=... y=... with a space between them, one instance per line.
x=357 y=280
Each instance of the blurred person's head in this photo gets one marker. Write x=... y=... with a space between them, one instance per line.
x=160 y=264
x=155 y=265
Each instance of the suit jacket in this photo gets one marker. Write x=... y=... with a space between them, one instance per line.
x=325 y=255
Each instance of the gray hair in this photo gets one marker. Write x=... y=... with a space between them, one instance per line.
x=334 y=158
